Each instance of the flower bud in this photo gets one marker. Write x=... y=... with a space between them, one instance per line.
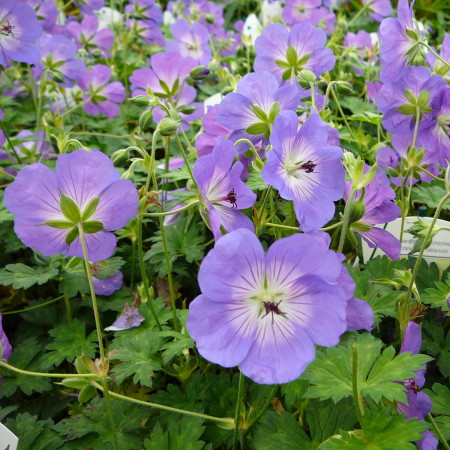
x=145 y=120
x=119 y=154
x=358 y=211
x=305 y=78
x=140 y=101
x=187 y=109
x=344 y=87
x=168 y=126
x=199 y=73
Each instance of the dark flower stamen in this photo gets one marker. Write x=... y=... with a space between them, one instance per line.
x=7 y=29
x=231 y=197
x=308 y=166
x=272 y=308
x=411 y=384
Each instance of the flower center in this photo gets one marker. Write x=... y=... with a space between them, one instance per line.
x=293 y=168
x=7 y=29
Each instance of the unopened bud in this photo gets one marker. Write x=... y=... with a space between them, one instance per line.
x=187 y=109
x=145 y=120
x=142 y=101
x=344 y=87
x=199 y=73
x=168 y=126
x=305 y=78
x=357 y=212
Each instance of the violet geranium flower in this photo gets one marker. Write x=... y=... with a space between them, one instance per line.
x=265 y=312
x=5 y=346
x=419 y=404
x=130 y=318
x=285 y=53
x=256 y=104
x=19 y=28
x=103 y=97
x=190 y=41
x=222 y=189
x=86 y=189
x=305 y=168
x=109 y=285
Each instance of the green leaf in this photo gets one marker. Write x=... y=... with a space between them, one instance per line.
x=28 y=356
x=70 y=209
x=33 y=433
x=260 y=113
x=70 y=341
x=430 y=194
x=436 y=342
x=255 y=181
x=291 y=56
x=21 y=276
x=60 y=224
x=381 y=431
x=407 y=110
x=379 y=375
x=437 y=297
x=293 y=392
x=179 y=341
x=257 y=128
x=274 y=111
x=183 y=434
x=92 y=226
x=281 y=432
x=326 y=418
x=440 y=397
x=90 y=208
x=72 y=235
x=92 y=428
x=137 y=359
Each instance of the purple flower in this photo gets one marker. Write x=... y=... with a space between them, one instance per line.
x=399 y=100
x=19 y=28
x=419 y=404
x=299 y=11
x=190 y=41
x=265 y=312
x=378 y=8
x=107 y=286
x=377 y=208
x=166 y=75
x=145 y=9
x=305 y=168
x=46 y=12
x=213 y=129
x=365 y=51
x=89 y=6
x=88 y=36
x=89 y=191
x=130 y=318
x=103 y=97
x=147 y=30
x=224 y=193
x=284 y=53
x=58 y=59
x=32 y=145
x=256 y=104
x=397 y=47
x=5 y=346
x=373 y=89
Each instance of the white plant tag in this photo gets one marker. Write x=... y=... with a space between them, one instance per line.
x=8 y=440
x=438 y=251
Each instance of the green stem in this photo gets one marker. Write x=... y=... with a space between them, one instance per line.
x=331 y=227
x=282 y=227
x=252 y=147
x=356 y=396
x=237 y=411
x=87 y=267
x=176 y=211
x=98 y=326
x=117 y=136
x=416 y=128
x=227 y=420
x=438 y=431
x=12 y=148
x=342 y=113
x=346 y=220
x=180 y=146
x=266 y=404
x=47 y=375
x=356 y=16
x=421 y=169
x=434 y=53
x=76 y=107
x=32 y=307
x=422 y=249
x=313 y=97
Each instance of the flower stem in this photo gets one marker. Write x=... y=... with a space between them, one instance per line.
x=434 y=53
x=176 y=211
x=47 y=375
x=68 y=308
x=32 y=307
x=98 y=326
x=356 y=16
x=356 y=396
x=282 y=227
x=438 y=431
x=186 y=161
x=333 y=94
x=87 y=267
x=237 y=413
x=422 y=169
x=346 y=220
x=422 y=248
x=227 y=420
